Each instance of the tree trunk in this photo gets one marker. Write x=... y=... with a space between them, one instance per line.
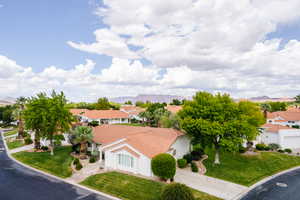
x=20 y=129
x=37 y=142
x=82 y=150
x=51 y=145
x=217 y=155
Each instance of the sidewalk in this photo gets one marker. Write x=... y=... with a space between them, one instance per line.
x=23 y=148
x=219 y=188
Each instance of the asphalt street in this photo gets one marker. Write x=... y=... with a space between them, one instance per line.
x=283 y=187
x=20 y=183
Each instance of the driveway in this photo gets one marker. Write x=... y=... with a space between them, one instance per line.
x=283 y=187
x=219 y=188
x=18 y=183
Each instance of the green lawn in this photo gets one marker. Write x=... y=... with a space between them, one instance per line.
x=247 y=170
x=14 y=144
x=9 y=133
x=59 y=164
x=130 y=187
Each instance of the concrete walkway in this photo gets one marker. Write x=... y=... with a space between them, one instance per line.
x=219 y=188
x=23 y=148
x=88 y=169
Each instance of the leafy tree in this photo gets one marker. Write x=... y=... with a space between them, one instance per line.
x=176 y=102
x=278 y=106
x=18 y=115
x=47 y=117
x=164 y=166
x=216 y=120
x=102 y=104
x=170 y=121
x=6 y=114
x=154 y=113
x=176 y=191
x=82 y=135
x=128 y=103
x=297 y=99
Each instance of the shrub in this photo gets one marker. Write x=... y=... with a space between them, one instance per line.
x=164 y=166
x=181 y=163
x=28 y=140
x=280 y=151
x=93 y=123
x=78 y=166
x=196 y=155
x=194 y=167
x=288 y=150
x=274 y=146
x=296 y=126
x=25 y=134
x=267 y=148
x=242 y=149
x=260 y=147
x=188 y=158
x=44 y=148
x=76 y=161
x=92 y=159
x=176 y=191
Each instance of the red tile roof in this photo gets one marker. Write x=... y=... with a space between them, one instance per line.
x=285 y=115
x=275 y=127
x=100 y=114
x=147 y=140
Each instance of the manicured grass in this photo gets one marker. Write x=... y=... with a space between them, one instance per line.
x=131 y=124
x=131 y=187
x=9 y=133
x=247 y=170
x=14 y=144
x=59 y=164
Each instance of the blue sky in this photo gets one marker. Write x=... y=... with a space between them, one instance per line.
x=171 y=47
x=34 y=33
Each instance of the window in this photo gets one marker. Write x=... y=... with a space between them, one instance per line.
x=125 y=160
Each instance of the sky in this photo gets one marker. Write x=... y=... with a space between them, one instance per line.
x=96 y=48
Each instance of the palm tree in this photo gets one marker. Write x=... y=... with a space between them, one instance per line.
x=18 y=114
x=83 y=135
x=265 y=107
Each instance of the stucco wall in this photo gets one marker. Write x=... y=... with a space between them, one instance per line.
x=181 y=146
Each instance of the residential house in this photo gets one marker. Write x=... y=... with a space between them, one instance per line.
x=133 y=111
x=102 y=116
x=285 y=136
x=131 y=148
x=289 y=118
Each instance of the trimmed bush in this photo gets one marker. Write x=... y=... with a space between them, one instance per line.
x=260 y=147
x=181 y=163
x=188 y=158
x=296 y=126
x=78 y=166
x=76 y=161
x=280 y=151
x=242 y=149
x=92 y=159
x=274 y=146
x=194 y=167
x=93 y=123
x=164 y=166
x=288 y=150
x=28 y=140
x=267 y=148
x=196 y=155
x=176 y=191
x=44 y=148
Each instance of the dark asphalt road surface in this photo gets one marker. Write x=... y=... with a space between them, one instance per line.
x=20 y=183
x=283 y=187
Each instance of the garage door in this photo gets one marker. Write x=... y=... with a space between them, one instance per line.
x=292 y=142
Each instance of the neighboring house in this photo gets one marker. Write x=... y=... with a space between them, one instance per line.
x=132 y=111
x=131 y=148
x=102 y=116
x=289 y=118
x=173 y=109
x=285 y=136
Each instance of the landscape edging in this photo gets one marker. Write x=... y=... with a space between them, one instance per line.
x=53 y=176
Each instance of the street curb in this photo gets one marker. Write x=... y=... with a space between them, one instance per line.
x=55 y=177
x=264 y=181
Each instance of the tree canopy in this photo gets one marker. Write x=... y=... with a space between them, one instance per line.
x=154 y=113
x=216 y=120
